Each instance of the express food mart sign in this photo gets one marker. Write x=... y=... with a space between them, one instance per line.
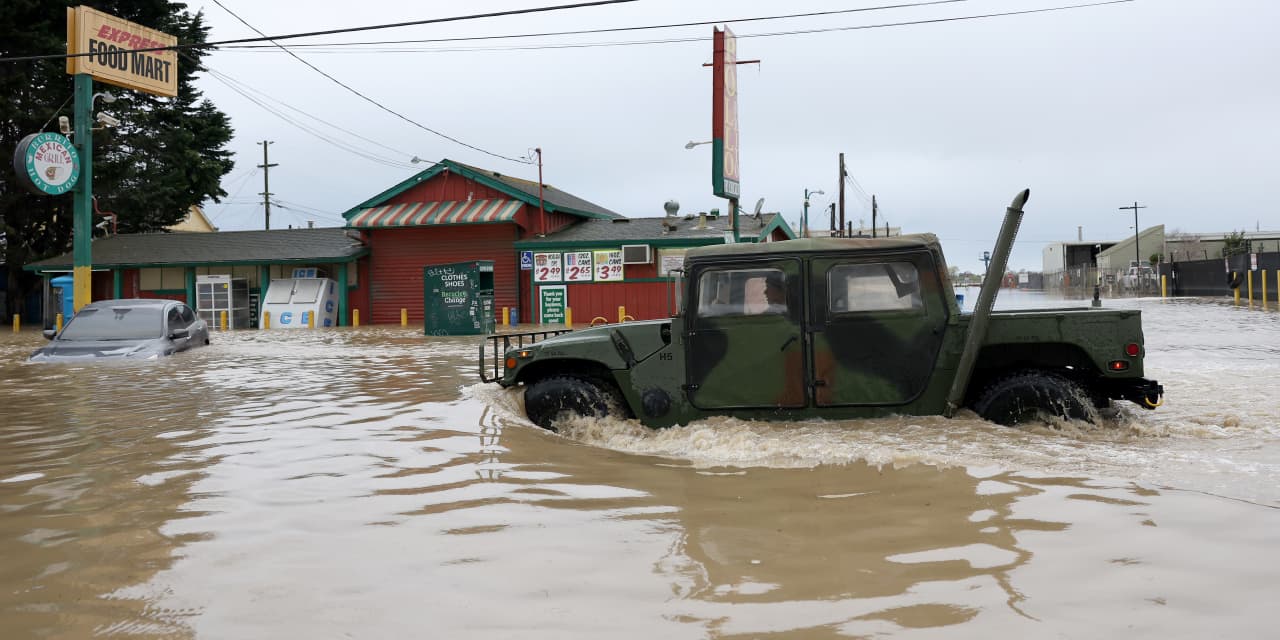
x=117 y=52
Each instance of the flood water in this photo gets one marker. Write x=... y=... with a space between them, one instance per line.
x=360 y=483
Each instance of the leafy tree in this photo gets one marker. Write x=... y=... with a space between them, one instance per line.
x=1234 y=243
x=168 y=153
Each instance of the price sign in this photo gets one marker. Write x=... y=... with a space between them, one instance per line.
x=546 y=267
x=577 y=266
x=608 y=266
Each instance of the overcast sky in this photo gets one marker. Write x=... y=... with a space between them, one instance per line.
x=1173 y=103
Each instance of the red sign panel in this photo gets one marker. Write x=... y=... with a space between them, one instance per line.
x=724 y=114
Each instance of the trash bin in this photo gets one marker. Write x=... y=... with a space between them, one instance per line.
x=458 y=298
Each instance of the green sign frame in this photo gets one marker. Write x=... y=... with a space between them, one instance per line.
x=40 y=157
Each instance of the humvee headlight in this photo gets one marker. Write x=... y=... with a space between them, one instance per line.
x=524 y=353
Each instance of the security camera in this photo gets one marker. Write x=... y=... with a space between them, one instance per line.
x=64 y=125
x=107 y=121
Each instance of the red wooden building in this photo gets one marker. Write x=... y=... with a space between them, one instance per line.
x=453 y=212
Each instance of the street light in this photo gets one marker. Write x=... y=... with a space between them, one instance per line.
x=691 y=144
x=804 y=222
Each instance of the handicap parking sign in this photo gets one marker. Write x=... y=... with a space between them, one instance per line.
x=526 y=260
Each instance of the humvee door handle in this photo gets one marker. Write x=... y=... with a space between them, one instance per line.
x=787 y=343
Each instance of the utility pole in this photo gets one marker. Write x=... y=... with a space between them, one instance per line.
x=1137 y=254
x=841 y=181
x=266 y=185
x=873 y=218
x=542 y=212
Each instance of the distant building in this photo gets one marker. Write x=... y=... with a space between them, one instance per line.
x=195 y=221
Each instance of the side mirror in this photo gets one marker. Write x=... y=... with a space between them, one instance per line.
x=179 y=333
x=49 y=334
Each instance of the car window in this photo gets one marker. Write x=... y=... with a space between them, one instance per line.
x=175 y=319
x=114 y=323
x=739 y=292
x=187 y=315
x=886 y=286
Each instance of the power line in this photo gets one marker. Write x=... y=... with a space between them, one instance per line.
x=578 y=32
x=624 y=43
x=367 y=98
x=243 y=89
x=309 y=34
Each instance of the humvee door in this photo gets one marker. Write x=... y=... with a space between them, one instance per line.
x=744 y=346
x=877 y=326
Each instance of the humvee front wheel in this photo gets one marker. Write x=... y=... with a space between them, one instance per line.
x=1027 y=396
x=553 y=397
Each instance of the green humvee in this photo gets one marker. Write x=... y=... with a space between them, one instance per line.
x=832 y=328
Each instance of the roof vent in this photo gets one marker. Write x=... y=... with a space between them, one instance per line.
x=671 y=208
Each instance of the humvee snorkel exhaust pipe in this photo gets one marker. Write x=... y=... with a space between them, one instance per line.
x=986 y=298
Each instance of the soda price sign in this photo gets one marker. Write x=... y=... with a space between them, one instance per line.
x=608 y=266
x=577 y=266
x=546 y=267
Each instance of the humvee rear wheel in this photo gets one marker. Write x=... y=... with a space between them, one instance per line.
x=1028 y=396
x=551 y=398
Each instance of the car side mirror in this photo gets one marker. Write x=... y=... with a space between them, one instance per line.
x=49 y=334
x=179 y=333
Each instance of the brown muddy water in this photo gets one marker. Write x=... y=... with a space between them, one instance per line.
x=361 y=484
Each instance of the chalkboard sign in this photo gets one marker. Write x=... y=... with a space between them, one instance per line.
x=458 y=298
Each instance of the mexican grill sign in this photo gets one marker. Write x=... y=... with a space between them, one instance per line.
x=116 y=52
x=46 y=163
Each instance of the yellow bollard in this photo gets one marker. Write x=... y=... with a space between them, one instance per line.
x=266 y=319
x=355 y=317
x=1164 y=286
x=404 y=317
x=223 y=321
x=1250 y=279
x=568 y=317
x=506 y=316
x=1264 y=287
x=1234 y=274
x=622 y=313
x=57 y=323
x=17 y=323
x=311 y=319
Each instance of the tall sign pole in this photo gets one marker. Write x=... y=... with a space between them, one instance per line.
x=724 y=121
x=103 y=47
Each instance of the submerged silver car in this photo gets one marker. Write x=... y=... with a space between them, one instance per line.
x=134 y=329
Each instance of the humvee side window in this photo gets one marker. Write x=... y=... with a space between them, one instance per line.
x=891 y=286
x=738 y=292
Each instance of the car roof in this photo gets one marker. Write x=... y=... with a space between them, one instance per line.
x=131 y=302
x=815 y=245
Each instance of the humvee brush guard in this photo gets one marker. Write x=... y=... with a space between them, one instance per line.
x=833 y=328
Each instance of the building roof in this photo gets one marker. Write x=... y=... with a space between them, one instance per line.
x=195 y=220
x=683 y=230
x=282 y=246
x=526 y=191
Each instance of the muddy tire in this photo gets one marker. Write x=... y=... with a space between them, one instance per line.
x=1027 y=396
x=550 y=398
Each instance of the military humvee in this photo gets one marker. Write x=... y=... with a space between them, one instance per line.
x=833 y=328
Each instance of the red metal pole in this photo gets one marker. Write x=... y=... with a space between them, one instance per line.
x=542 y=212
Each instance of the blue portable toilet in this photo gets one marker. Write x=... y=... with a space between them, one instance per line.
x=66 y=302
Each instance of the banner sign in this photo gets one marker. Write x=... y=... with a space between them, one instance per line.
x=724 y=114
x=46 y=164
x=552 y=301
x=578 y=266
x=608 y=266
x=546 y=267
x=114 y=43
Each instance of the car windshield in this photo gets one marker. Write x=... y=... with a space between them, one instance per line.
x=114 y=323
